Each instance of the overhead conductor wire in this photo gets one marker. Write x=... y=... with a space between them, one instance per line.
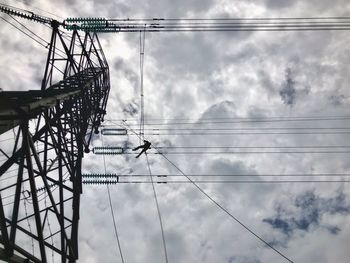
x=220 y=206
x=142 y=128
x=142 y=53
x=225 y=24
x=225 y=210
x=112 y=212
x=158 y=210
x=34 y=7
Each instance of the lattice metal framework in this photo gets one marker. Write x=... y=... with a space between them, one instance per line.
x=40 y=171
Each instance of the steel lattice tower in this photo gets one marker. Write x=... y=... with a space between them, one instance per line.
x=40 y=173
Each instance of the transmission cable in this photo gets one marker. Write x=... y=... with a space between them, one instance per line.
x=28 y=222
x=108 y=182
x=23 y=32
x=141 y=136
x=142 y=56
x=112 y=212
x=226 y=175
x=223 y=25
x=226 y=211
x=34 y=7
x=50 y=231
x=233 y=19
x=235 y=118
x=254 y=147
x=31 y=31
x=39 y=37
x=243 y=133
x=248 y=133
x=223 y=208
x=247 y=129
x=45 y=46
x=245 y=152
x=8 y=139
x=158 y=210
x=245 y=120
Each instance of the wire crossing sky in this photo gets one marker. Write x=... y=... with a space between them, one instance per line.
x=249 y=99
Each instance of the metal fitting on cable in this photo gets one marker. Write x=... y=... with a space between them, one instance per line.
x=108 y=150
x=108 y=132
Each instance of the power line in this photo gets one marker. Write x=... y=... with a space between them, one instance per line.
x=23 y=32
x=50 y=232
x=245 y=120
x=254 y=147
x=226 y=211
x=112 y=212
x=8 y=139
x=246 y=133
x=34 y=7
x=32 y=32
x=36 y=35
x=141 y=135
x=142 y=57
x=221 y=175
x=245 y=152
x=226 y=24
x=247 y=129
x=28 y=221
x=210 y=25
x=109 y=182
x=233 y=19
x=158 y=210
x=37 y=41
x=235 y=118
x=222 y=208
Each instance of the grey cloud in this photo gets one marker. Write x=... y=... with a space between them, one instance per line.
x=178 y=250
x=220 y=110
x=131 y=109
x=175 y=9
x=226 y=166
x=243 y=259
x=280 y=224
x=266 y=81
x=337 y=100
x=310 y=209
x=202 y=76
x=27 y=2
x=256 y=112
x=324 y=6
x=157 y=9
x=163 y=143
x=288 y=91
x=278 y=4
x=185 y=54
x=214 y=88
x=122 y=69
x=333 y=229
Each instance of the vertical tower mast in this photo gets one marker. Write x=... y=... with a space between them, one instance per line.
x=41 y=173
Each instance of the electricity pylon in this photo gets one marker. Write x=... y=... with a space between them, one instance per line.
x=40 y=174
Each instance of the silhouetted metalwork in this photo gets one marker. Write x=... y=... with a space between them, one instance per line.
x=10 y=10
x=52 y=128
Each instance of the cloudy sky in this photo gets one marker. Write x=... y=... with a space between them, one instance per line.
x=211 y=77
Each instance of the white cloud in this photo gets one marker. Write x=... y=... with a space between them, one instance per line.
x=199 y=76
